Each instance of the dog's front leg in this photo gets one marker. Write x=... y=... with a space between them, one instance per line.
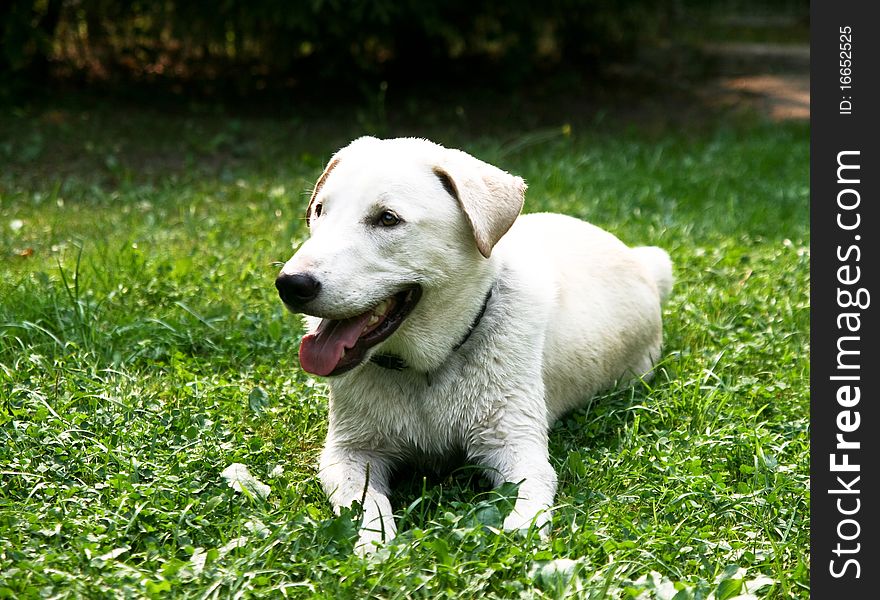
x=350 y=475
x=523 y=458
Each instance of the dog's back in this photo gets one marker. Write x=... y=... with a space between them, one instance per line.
x=604 y=324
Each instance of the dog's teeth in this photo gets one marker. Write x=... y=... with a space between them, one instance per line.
x=381 y=309
x=373 y=320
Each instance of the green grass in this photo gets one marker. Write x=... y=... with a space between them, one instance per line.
x=143 y=350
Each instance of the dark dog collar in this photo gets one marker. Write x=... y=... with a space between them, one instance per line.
x=393 y=362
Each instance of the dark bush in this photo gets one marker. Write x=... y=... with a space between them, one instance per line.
x=276 y=42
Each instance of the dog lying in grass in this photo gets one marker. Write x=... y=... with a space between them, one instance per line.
x=447 y=323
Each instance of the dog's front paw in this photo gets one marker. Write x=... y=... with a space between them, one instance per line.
x=540 y=520
x=367 y=544
x=369 y=540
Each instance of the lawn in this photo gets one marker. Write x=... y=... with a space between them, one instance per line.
x=143 y=350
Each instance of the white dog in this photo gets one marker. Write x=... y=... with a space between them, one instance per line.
x=447 y=324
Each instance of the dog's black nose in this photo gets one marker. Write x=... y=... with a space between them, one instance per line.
x=297 y=289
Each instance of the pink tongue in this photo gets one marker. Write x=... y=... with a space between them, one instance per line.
x=321 y=351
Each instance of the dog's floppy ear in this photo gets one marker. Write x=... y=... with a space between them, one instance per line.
x=330 y=166
x=490 y=198
x=334 y=160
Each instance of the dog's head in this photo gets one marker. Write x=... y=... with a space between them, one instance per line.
x=391 y=221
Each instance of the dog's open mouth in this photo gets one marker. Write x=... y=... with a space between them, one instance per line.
x=338 y=345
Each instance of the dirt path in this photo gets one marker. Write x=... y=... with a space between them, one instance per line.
x=773 y=79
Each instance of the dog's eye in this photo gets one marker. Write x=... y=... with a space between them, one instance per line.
x=388 y=219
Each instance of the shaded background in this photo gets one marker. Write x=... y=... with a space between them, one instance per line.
x=330 y=51
x=84 y=82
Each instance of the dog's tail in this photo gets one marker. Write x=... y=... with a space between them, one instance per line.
x=659 y=265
